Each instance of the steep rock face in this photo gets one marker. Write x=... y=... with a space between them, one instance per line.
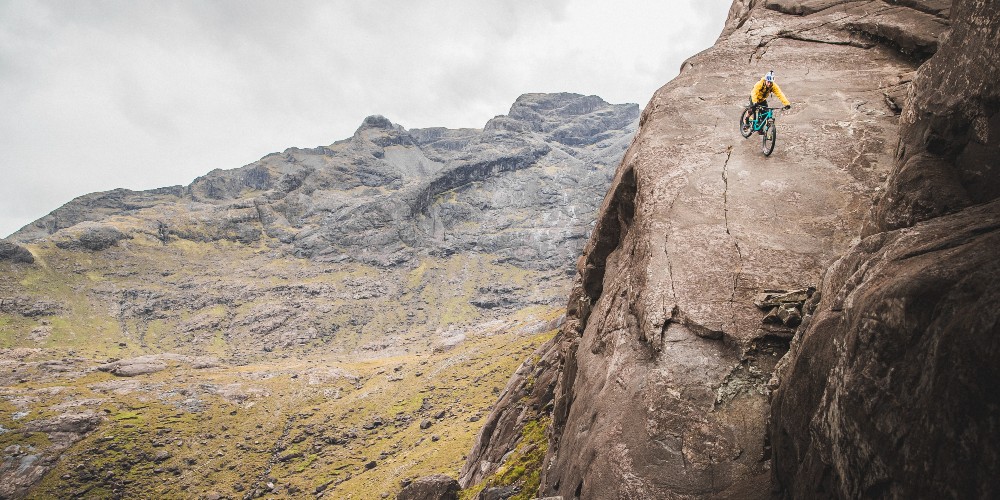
x=888 y=390
x=524 y=188
x=664 y=361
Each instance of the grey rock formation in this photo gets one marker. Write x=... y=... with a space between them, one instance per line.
x=889 y=388
x=436 y=487
x=22 y=466
x=665 y=364
x=362 y=219
x=97 y=206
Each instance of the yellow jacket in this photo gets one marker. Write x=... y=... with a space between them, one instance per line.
x=758 y=94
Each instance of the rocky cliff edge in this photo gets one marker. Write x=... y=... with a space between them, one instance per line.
x=664 y=366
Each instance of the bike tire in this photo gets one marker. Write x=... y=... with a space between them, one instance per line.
x=746 y=126
x=770 y=136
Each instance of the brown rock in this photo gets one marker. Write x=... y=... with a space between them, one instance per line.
x=661 y=359
x=889 y=391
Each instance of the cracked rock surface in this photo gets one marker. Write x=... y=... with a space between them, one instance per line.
x=664 y=361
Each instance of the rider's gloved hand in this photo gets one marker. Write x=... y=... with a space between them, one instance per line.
x=788 y=106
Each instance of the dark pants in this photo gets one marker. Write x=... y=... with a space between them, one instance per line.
x=760 y=107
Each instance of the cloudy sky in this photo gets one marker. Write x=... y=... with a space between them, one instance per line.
x=96 y=95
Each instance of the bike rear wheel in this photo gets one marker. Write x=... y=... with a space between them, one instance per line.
x=746 y=125
x=770 y=135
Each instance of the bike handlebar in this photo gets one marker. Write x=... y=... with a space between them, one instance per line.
x=751 y=105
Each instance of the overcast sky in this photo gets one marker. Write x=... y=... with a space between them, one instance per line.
x=96 y=95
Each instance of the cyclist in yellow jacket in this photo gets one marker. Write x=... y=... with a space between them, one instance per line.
x=764 y=88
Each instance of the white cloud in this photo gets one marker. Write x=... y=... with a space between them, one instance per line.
x=97 y=95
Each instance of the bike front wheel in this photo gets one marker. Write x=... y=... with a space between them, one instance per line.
x=746 y=125
x=770 y=135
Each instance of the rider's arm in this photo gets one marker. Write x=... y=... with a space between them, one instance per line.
x=777 y=92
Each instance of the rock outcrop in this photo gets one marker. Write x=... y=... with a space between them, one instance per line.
x=888 y=390
x=91 y=236
x=22 y=466
x=15 y=253
x=665 y=364
x=436 y=487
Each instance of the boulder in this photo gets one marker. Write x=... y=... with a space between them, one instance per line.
x=142 y=365
x=90 y=236
x=15 y=253
x=436 y=487
x=70 y=423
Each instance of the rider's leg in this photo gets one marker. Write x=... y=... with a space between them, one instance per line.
x=761 y=106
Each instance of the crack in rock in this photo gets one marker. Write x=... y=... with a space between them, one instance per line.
x=736 y=243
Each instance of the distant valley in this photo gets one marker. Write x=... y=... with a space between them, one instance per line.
x=325 y=321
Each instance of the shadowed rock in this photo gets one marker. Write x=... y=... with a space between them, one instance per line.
x=15 y=253
x=90 y=236
x=436 y=487
x=528 y=395
x=889 y=388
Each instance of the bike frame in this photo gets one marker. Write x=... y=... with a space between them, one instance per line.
x=758 y=123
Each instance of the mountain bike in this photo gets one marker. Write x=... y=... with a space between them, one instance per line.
x=763 y=123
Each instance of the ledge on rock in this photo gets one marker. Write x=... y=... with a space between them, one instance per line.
x=802 y=8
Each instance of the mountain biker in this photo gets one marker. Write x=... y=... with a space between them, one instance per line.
x=764 y=88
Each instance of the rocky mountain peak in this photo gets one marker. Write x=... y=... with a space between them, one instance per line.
x=376 y=121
